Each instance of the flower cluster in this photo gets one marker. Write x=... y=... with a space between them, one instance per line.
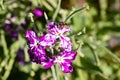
x=43 y=50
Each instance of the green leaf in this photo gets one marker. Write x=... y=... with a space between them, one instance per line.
x=88 y=65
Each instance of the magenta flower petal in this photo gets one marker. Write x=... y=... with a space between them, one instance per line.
x=66 y=43
x=46 y=62
x=47 y=40
x=66 y=67
x=31 y=36
x=33 y=43
x=65 y=29
x=68 y=56
x=39 y=50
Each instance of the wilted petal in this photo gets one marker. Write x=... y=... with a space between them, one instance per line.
x=46 y=62
x=66 y=43
x=47 y=40
x=8 y=27
x=20 y=56
x=66 y=67
x=68 y=56
x=14 y=34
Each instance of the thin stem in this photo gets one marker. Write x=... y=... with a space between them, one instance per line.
x=13 y=49
x=46 y=17
x=30 y=15
x=94 y=54
x=10 y=65
x=1 y=4
x=58 y=71
x=72 y=14
x=111 y=54
x=79 y=72
x=8 y=69
x=4 y=44
x=57 y=10
x=3 y=63
x=53 y=73
x=66 y=78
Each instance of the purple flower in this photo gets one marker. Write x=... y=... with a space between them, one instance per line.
x=65 y=60
x=39 y=46
x=20 y=56
x=55 y=31
x=36 y=51
x=38 y=12
x=34 y=43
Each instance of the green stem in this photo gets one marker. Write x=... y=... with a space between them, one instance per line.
x=94 y=54
x=111 y=54
x=79 y=72
x=72 y=14
x=1 y=4
x=46 y=17
x=3 y=63
x=10 y=65
x=30 y=15
x=57 y=10
x=66 y=77
x=54 y=73
x=58 y=71
x=8 y=69
x=3 y=41
x=105 y=49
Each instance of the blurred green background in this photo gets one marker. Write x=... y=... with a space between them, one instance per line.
x=95 y=34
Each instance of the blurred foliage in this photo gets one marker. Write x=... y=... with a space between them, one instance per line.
x=98 y=57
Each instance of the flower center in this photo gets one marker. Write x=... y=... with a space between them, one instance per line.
x=59 y=34
x=60 y=60
x=36 y=43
